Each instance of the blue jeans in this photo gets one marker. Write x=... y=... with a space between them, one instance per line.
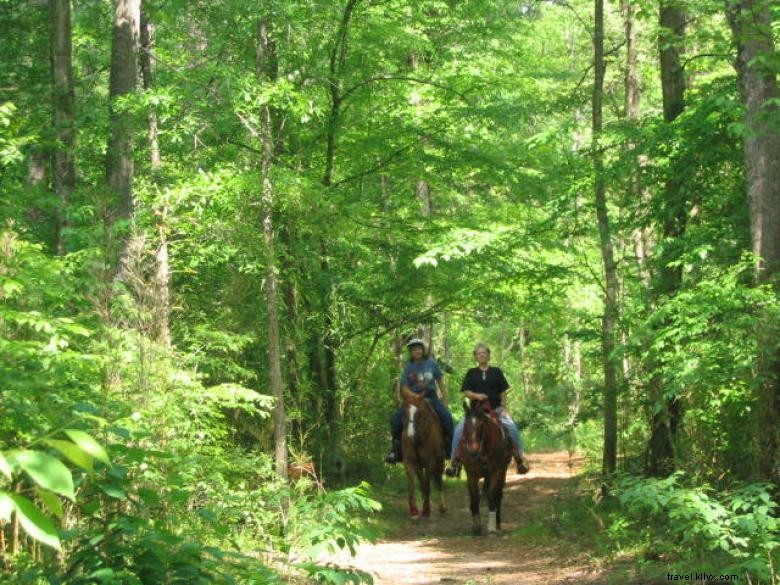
x=506 y=421
x=397 y=423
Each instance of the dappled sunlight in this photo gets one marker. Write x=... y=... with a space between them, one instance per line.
x=441 y=549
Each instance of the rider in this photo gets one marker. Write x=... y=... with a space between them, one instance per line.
x=487 y=383
x=421 y=375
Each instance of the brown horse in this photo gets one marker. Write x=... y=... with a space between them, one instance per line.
x=486 y=452
x=423 y=455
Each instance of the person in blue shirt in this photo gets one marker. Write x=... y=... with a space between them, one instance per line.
x=421 y=375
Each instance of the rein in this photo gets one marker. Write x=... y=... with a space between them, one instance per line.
x=485 y=446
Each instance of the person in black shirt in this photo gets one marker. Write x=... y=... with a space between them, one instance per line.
x=487 y=383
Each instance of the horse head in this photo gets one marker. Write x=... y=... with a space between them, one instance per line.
x=480 y=431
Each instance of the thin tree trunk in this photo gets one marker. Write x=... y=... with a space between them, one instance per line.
x=338 y=55
x=751 y=23
x=667 y=414
x=124 y=68
x=64 y=114
x=265 y=73
x=162 y=276
x=609 y=319
x=147 y=74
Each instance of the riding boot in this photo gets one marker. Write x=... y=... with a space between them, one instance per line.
x=453 y=469
x=395 y=455
x=521 y=462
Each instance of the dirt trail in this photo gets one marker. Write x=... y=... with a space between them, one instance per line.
x=441 y=549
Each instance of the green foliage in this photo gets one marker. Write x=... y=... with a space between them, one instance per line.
x=735 y=529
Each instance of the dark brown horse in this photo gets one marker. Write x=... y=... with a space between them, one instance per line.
x=486 y=451
x=423 y=455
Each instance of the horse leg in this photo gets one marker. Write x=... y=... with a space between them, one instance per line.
x=490 y=491
x=426 y=492
x=499 y=498
x=495 y=494
x=476 y=522
x=437 y=480
x=414 y=513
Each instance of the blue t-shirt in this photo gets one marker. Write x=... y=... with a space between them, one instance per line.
x=421 y=376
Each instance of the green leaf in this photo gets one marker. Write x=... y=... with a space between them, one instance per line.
x=74 y=453
x=88 y=444
x=47 y=471
x=5 y=469
x=114 y=491
x=51 y=501
x=34 y=523
x=6 y=507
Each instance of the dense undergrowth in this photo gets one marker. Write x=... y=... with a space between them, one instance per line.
x=648 y=528
x=105 y=481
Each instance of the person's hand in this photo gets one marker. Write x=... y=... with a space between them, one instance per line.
x=481 y=396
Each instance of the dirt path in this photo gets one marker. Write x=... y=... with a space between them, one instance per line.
x=441 y=549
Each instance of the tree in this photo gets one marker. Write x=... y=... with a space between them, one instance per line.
x=751 y=24
x=267 y=73
x=667 y=410
x=124 y=74
x=64 y=113
x=610 y=315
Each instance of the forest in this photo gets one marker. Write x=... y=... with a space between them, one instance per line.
x=221 y=223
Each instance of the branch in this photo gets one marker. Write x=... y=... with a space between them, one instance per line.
x=376 y=167
x=702 y=56
x=370 y=80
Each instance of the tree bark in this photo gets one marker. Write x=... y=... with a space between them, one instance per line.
x=751 y=23
x=265 y=73
x=667 y=411
x=162 y=276
x=124 y=72
x=64 y=113
x=337 y=58
x=609 y=318
x=147 y=75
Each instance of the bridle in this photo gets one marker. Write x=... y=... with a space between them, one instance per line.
x=480 y=420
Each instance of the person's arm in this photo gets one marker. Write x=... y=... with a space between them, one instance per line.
x=407 y=394
x=502 y=402
x=504 y=388
x=470 y=394
x=475 y=395
x=442 y=390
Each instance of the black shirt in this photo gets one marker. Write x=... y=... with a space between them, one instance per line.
x=491 y=382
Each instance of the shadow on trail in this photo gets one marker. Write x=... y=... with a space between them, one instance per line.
x=441 y=549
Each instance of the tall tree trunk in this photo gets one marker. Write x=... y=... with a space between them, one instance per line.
x=162 y=275
x=751 y=23
x=147 y=75
x=64 y=113
x=609 y=319
x=667 y=413
x=338 y=55
x=124 y=73
x=266 y=72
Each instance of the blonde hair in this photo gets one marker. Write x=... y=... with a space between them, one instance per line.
x=479 y=346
